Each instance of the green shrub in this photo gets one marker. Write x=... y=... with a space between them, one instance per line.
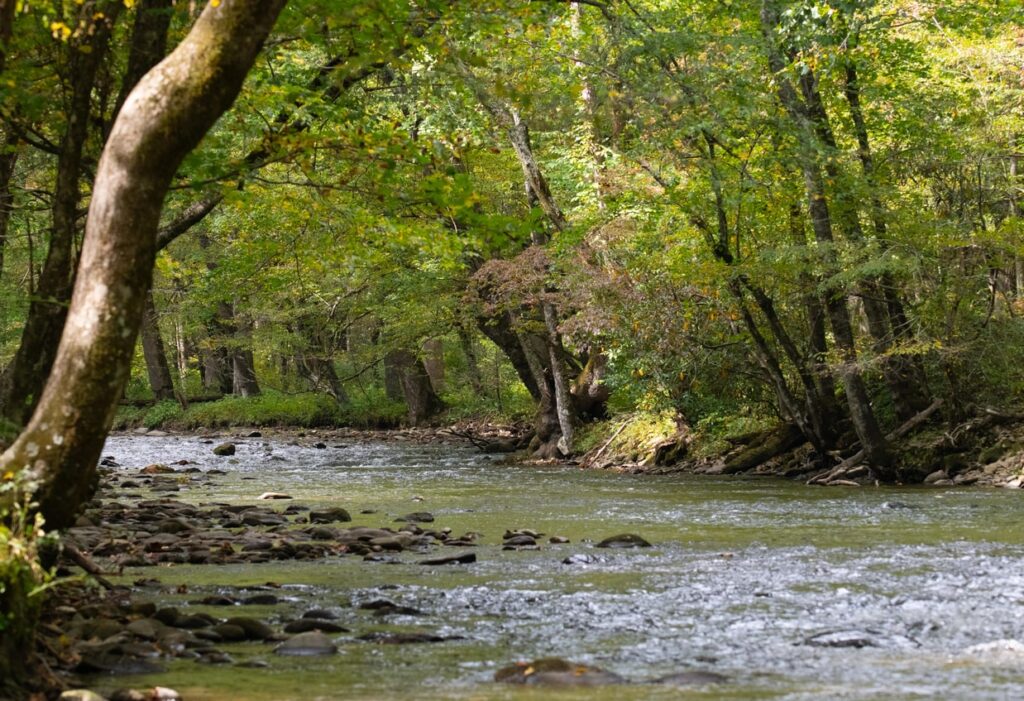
x=22 y=578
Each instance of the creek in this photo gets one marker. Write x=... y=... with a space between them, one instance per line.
x=791 y=592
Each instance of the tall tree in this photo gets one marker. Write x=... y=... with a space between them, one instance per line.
x=161 y=121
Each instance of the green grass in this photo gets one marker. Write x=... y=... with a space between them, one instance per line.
x=268 y=409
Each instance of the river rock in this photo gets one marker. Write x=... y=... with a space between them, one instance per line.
x=167 y=615
x=999 y=651
x=692 y=678
x=230 y=633
x=580 y=559
x=410 y=638
x=145 y=628
x=417 y=517
x=521 y=531
x=458 y=559
x=128 y=695
x=103 y=628
x=174 y=525
x=216 y=601
x=225 y=449
x=254 y=629
x=193 y=622
x=266 y=496
x=304 y=625
x=553 y=671
x=861 y=638
x=80 y=695
x=260 y=600
x=311 y=644
x=321 y=614
x=332 y=515
x=624 y=540
x=520 y=540
x=156 y=469
x=935 y=477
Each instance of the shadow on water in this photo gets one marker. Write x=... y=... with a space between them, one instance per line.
x=792 y=592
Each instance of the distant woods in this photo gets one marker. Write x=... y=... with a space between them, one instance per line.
x=797 y=213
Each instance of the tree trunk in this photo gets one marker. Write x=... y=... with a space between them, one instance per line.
x=468 y=344
x=433 y=361
x=34 y=358
x=864 y=421
x=878 y=293
x=420 y=398
x=502 y=333
x=157 y=368
x=217 y=375
x=564 y=407
x=905 y=374
x=393 y=376
x=163 y=119
x=243 y=373
x=8 y=159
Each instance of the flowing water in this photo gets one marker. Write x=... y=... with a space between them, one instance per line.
x=792 y=592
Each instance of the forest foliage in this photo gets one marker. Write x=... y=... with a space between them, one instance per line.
x=730 y=213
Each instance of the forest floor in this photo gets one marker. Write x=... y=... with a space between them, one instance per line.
x=984 y=450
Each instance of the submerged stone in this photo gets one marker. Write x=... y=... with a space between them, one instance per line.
x=553 y=671
x=459 y=559
x=332 y=515
x=417 y=517
x=692 y=678
x=624 y=540
x=311 y=644
x=225 y=449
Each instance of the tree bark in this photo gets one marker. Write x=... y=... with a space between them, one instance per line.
x=157 y=368
x=163 y=119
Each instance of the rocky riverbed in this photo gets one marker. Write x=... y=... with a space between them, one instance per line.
x=404 y=570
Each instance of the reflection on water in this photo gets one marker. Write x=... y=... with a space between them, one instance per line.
x=792 y=592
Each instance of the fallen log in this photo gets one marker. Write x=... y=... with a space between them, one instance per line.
x=843 y=469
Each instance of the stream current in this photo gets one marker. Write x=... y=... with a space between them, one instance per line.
x=791 y=592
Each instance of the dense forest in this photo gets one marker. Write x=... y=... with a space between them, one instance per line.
x=719 y=233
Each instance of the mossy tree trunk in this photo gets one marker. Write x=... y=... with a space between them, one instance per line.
x=163 y=118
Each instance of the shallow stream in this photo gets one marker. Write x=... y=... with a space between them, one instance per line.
x=792 y=592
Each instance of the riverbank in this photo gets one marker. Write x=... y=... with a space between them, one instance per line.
x=985 y=450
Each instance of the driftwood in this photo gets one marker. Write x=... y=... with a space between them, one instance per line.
x=593 y=460
x=491 y=445
x=83 y=561
x=847 y=467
